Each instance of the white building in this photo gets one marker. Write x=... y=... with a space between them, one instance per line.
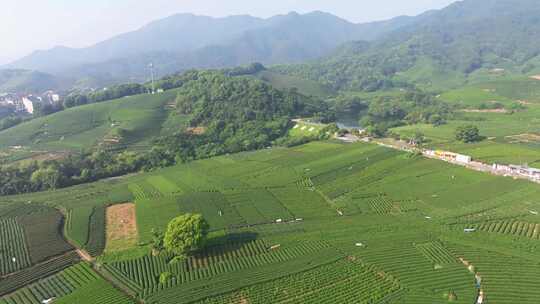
x=526 y=171
x=28 y=103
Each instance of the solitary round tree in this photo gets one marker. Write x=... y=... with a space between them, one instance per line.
x=186 y=234
x=468 y=134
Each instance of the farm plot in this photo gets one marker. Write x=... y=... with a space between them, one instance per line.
x=303 y=203
x=53 y=287
x=144 y=191
x=142 y=274
x=390 y=246
x=258 y=206
x=96 y=292
x=43 y=233
x=258 y=273
x=214 y=206
x=424 y=280
x=154 y=214
x=164 y=185
x=510 y=227
x=77 y=224
x=363 y=180
x=505 y=278
x=436 y=253
x=13 y=251
x=37 y=272
x=96 y=240
x=121 y=227
x=344 y=281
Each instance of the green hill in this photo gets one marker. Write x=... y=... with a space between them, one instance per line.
x=304 y=86
x=471 y=40
x=138 y=118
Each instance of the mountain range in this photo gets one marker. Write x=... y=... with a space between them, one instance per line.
x=471 y=40
x=468 y=40
x=186 y=41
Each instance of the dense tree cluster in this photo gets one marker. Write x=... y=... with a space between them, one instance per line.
x=440 y=50
x=114 y=92
x=410 y=108
x=9 y=122
x=186 y=234
x=468 y=134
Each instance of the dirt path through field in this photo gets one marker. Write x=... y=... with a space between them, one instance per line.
x=84 y=255
x=121 y=227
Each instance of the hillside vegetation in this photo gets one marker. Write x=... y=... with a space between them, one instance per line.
x=209 y=114
x=26 y=81
x=382 y=224
x=204 y=42
x=141 y=117
x=468 y=41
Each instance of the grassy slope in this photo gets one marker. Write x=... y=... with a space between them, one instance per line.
x=306 y=87
x=143 y=117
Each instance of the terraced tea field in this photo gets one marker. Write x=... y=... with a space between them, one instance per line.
x=320 y=223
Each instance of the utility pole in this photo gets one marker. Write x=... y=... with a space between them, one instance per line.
x=152 y=75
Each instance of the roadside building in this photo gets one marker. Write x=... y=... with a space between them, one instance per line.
x=51 y=97
x=453 y=157
x=29 y=103
x=525 y=171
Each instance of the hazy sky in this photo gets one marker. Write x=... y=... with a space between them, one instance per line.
x=27 y=25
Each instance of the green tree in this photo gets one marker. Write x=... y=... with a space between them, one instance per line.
x=46 y=178
x=157 y=241
x=436 y=120
x=186 y=234
x=468 y=134
x=418 y=138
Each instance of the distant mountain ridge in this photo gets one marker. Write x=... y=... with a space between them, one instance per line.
x=465 y=41
x=25 y=81
x=186 y=41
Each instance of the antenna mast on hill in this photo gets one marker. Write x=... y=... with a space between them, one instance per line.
x=152 y=75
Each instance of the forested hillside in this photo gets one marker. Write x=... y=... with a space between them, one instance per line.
x=469 y=40
x=209 y=114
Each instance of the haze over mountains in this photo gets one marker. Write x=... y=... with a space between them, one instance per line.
x=443 y=48
x=467 y=41
x=187 y=41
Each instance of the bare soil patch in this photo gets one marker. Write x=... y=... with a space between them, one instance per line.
x=196 y=130
x=485 y=111
x=44 y=156
x=84 y=255
x=121 y=227
x=524 y=138
x=524 y=102
x=536 y=77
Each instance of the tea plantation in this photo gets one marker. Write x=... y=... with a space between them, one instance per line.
x=511 y=135
x=324 y=222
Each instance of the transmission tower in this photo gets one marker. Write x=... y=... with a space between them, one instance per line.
x=152 y=76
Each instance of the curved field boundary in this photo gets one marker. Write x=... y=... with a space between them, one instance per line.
x=14 y=253
x=37 y=272
x=55 y=286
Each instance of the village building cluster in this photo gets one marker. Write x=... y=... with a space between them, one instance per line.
x=26 y=103
x=518 y=170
